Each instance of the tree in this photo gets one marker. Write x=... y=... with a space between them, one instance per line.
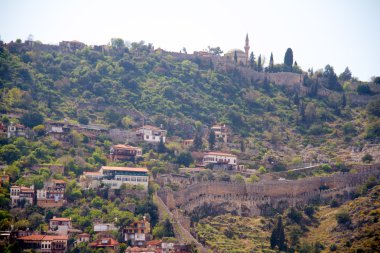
x=235 y=57
x=161 y=146
x=364 y=89
x=271 y=62
x=32 y=119
x=346 y=75
x=373 y=108
x=288 y=59
x=117 y=43
x=9 y=153
x=259 y=66
x=277 y=237
x=215 y=50
x=83 y=120
x=310 y=112
x=332 y=79
x=376 y=80
x=185 y=159
x=367 y=158
x=344 y=100
x=252 y=60
x=197 y=144
x=211 y=139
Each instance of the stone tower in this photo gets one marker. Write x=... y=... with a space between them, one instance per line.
x=246 y=48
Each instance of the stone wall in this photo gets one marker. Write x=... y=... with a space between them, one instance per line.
x=254 y=197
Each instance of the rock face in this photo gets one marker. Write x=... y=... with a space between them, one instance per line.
x=256 y=198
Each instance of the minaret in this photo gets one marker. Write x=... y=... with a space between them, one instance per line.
x=246 y=48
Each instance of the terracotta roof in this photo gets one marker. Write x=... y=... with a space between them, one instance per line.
x=104 y=242
x=122 y=146
x=154 y=243
x=26 y=189
x=137 y=249
x=220 y=153
x=43 y=237
x=60 y=219
x=124 y=169
x=84 y=235
x=92 y=173
x=58 y=181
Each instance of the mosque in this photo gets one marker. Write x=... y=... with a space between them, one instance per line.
x=241 y=56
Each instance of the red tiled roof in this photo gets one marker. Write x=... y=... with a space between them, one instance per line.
x=122 y=146
x=91 y=173
x=83 y=235
x=43 y=237
x=60 y=219
x=124 y=169
x=58 y=181
x=99 y=243
x=220 y=153
x=154 y=243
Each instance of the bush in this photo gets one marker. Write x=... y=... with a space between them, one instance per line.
x=343 y=218
x=333 y=247
x=367 y=158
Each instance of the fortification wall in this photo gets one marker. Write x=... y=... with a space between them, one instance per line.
x=274 y=193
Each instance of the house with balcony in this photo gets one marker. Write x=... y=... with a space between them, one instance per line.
x=60 y=225
x=53 y=194
x=121 y=152
x=151 y=134
x=221 y=132
x=138 y=233
x=21 y=196
x=219 y=160
x=115 y=177
x=44 y=243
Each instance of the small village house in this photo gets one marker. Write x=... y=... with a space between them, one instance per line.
x=44 y=243
x=21 y=196
x=151 y=134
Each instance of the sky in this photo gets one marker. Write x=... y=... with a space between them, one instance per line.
x=337 y=32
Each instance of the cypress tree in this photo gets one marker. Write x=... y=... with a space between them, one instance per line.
x=271 y=63
x=259 y=67
x=288 y=60
x=211 y=139
x=235 y=57
x=161 y=146
x=277 y=237
x=252 y=60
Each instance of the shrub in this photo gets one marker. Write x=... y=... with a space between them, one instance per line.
x=367 y=158
x=343 y=218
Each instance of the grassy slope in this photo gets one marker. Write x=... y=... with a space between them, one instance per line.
x=364 y=232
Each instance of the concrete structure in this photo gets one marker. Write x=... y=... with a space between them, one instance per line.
x=58 y=130
x=16 y=130
x=220 y=160
x=221 y=132
x=60 y=225
x=151 y=134
x=115 y=177
x=121 y=152
x=21 y=196
x=84 y=237
x=138 y=233
x=53 y=194
x=44 y=243
x=104 y=227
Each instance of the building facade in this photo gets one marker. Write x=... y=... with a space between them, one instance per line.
x=44 y=243
x=21 y=196
x=220 y=160
x=151 y=134
x=53 y=194
x=123 y=152
x=221 y=132
x=138 y=233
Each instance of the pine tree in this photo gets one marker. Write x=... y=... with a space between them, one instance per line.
x=211 y=140
x=252 y=60
x=271 y=63
x=259 y=67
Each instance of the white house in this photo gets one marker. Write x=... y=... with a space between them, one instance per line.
x=21 y=195
x=222 y=160
x=60 y=225
x=151 y=133
x=116 y=176
x=221 y=132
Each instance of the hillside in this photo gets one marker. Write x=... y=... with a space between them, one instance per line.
x=361 y=233
x=126 y=87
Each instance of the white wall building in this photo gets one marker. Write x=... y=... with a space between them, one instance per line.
x=219 y=158
x=151 y=133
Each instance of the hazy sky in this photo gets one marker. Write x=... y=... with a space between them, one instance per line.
x=336 y=32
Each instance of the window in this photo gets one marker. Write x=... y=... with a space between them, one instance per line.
x=147 y=137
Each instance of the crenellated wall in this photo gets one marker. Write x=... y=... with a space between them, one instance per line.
x=254 y=197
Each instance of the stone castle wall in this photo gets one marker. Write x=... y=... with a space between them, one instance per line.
x=254 y=197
